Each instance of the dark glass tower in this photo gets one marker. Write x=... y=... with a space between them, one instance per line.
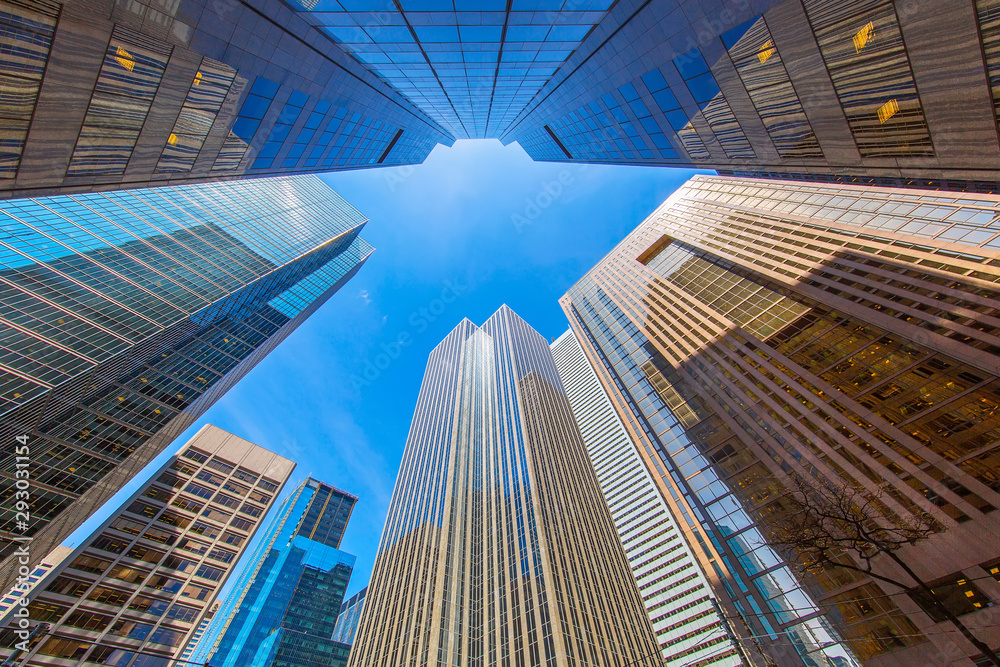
x=284 y=609
x=805 y=89
x=128 y=314
x=101 y=95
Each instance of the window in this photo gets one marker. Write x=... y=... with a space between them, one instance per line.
x=204 y=99
x=64 y=648
x=956 y=593
x=181 y=613
x=27 y=32
x=211 y=573
x=126 y=85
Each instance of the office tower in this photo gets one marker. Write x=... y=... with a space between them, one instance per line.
x=128 y=314
x=197 y=635
x=350 y=615
x=498 y=548
x=103 y=95
x=38 y=576
x=284 y=607
x=803 y=89
x=135 y=591
x=752 y=333
x=678 y=598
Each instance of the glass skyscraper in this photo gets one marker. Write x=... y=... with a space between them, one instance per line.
x=678 y=597
x=127 y=314
x=134 y=593
x=283 y=609
x=753 y=332
x=129 y=94
x=498 y=548
x=350 y=616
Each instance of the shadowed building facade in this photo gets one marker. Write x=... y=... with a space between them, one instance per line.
x=284 y=607
x=689 y=626
x=100 y=95
x=804 y=89
x=126 y=315
x=134 y=593
x=755 y=332
x=498 y=549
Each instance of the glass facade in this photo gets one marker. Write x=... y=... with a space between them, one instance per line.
x=758 y=332
x=134 y=593
x=472 y=67
x=127 y=314
x=284 y=608
x=498 y=537
x=676 y=592
x=350 y=616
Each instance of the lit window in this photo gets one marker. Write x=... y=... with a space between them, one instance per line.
x=766 y=51
x=863 y=37
x=887 y=110
x=125 y=59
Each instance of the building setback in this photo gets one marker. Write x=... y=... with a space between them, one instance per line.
x=350 y=616
x=754 y=332
x=128 y=314
x=108 y=94
x=678 y=597
x=284 y=608
x=498 y=549
x=136 y=590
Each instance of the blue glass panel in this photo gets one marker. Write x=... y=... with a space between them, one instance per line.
x=264 y=88
x=527 y=33
x=703 y=88
x=480 y=33
x=245 y=128
x=730 y=37
x=298 y=99
x=654 y=81
x=568 y=33
x=255 y=107
x=665 y=100
x=690 y=64
x=433 y=33
x=629 y=92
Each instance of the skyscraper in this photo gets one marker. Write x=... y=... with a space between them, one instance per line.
x=752 y=333
x=127 y=94
x=350 y=616
x=39 y=575
x=498 y=548
x=809 y=89
x=135 y=591
x=678 y=597
x=128 y=314
x=284 y=608
x=103 y=95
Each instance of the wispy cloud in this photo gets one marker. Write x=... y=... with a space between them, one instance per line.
x=363 y=295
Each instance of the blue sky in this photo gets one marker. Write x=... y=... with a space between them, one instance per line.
x=475 y=226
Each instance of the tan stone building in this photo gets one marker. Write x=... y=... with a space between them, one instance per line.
x=752 y=332
x=499 y=549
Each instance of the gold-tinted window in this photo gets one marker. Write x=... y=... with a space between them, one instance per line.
x=764 y=76
x=204 y=99
x=129 y=79
x=26 y=29
x=867 y=61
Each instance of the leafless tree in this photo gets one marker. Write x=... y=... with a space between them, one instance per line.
x=827 y=523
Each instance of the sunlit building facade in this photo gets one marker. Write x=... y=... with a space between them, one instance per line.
x=498 y=548
x=135 y=592
x=753 y=332
x=689 y=626
x=128 y=314
x=104 y=95
x=284 y=607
